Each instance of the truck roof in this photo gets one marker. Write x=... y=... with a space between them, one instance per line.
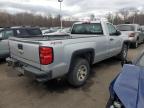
x=95 y=21
x=82 y=22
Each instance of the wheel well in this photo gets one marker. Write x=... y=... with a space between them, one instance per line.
x=127 y=43
x=87 y=54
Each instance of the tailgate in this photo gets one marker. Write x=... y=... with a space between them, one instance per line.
x=25 y=51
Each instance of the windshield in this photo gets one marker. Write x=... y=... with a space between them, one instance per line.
x=87 y=28
x=31 y=32
x=126 y=27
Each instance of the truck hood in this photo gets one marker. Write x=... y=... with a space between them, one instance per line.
x=129 y=86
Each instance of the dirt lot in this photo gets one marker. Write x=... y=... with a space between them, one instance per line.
x=21 y=92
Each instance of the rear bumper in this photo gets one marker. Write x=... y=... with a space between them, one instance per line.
x=29 y=71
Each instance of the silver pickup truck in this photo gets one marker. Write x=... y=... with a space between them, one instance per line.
x=51 y=57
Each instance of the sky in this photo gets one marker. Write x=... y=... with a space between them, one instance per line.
x=70 y=8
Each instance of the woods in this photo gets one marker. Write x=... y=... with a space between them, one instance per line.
x=127 y=15
x=124 y=15
x=27 y=19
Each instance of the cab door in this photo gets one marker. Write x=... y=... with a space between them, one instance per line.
x=4 y=47
x=114 y=40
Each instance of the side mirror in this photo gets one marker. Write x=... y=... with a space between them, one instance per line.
x=118 y=33
x=125 y=62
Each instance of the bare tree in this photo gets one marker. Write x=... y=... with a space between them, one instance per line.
x=124 y=12
x=27 y=19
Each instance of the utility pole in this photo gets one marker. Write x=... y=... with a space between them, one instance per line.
x=134 y=18
x=60 y=1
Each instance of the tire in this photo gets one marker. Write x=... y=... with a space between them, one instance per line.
x=123 y=54
x=135 y=45
x=79 y=72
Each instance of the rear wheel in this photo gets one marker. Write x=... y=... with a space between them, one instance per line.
x=79 y=72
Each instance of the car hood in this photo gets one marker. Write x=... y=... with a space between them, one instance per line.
x=129 y=86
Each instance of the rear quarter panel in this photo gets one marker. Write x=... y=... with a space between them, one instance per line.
x=64 y=49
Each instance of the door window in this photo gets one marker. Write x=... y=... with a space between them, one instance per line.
x=8 y=33
x=112 y=30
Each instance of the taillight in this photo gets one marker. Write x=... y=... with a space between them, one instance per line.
x=132 y=35
x=46 y=55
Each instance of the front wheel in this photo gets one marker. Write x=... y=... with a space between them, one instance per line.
x=135 y=44
x=123 y=54
x=79 y=72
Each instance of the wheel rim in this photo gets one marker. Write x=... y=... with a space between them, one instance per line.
x=82 y=73
x=136 y=44
x=125 y=53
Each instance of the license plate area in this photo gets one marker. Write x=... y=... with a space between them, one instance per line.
x=14 y=72
x=14 y=66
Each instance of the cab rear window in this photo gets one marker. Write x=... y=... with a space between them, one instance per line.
x=87 y=28
x=28 y=32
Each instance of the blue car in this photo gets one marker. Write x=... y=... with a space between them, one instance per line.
x=127 y=89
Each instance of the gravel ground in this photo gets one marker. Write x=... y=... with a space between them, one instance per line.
x=21 y=92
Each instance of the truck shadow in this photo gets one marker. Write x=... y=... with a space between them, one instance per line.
x=97 y=71
x=60 y=86
x=52 y=86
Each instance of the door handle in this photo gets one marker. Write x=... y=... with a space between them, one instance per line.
x=111 y=39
